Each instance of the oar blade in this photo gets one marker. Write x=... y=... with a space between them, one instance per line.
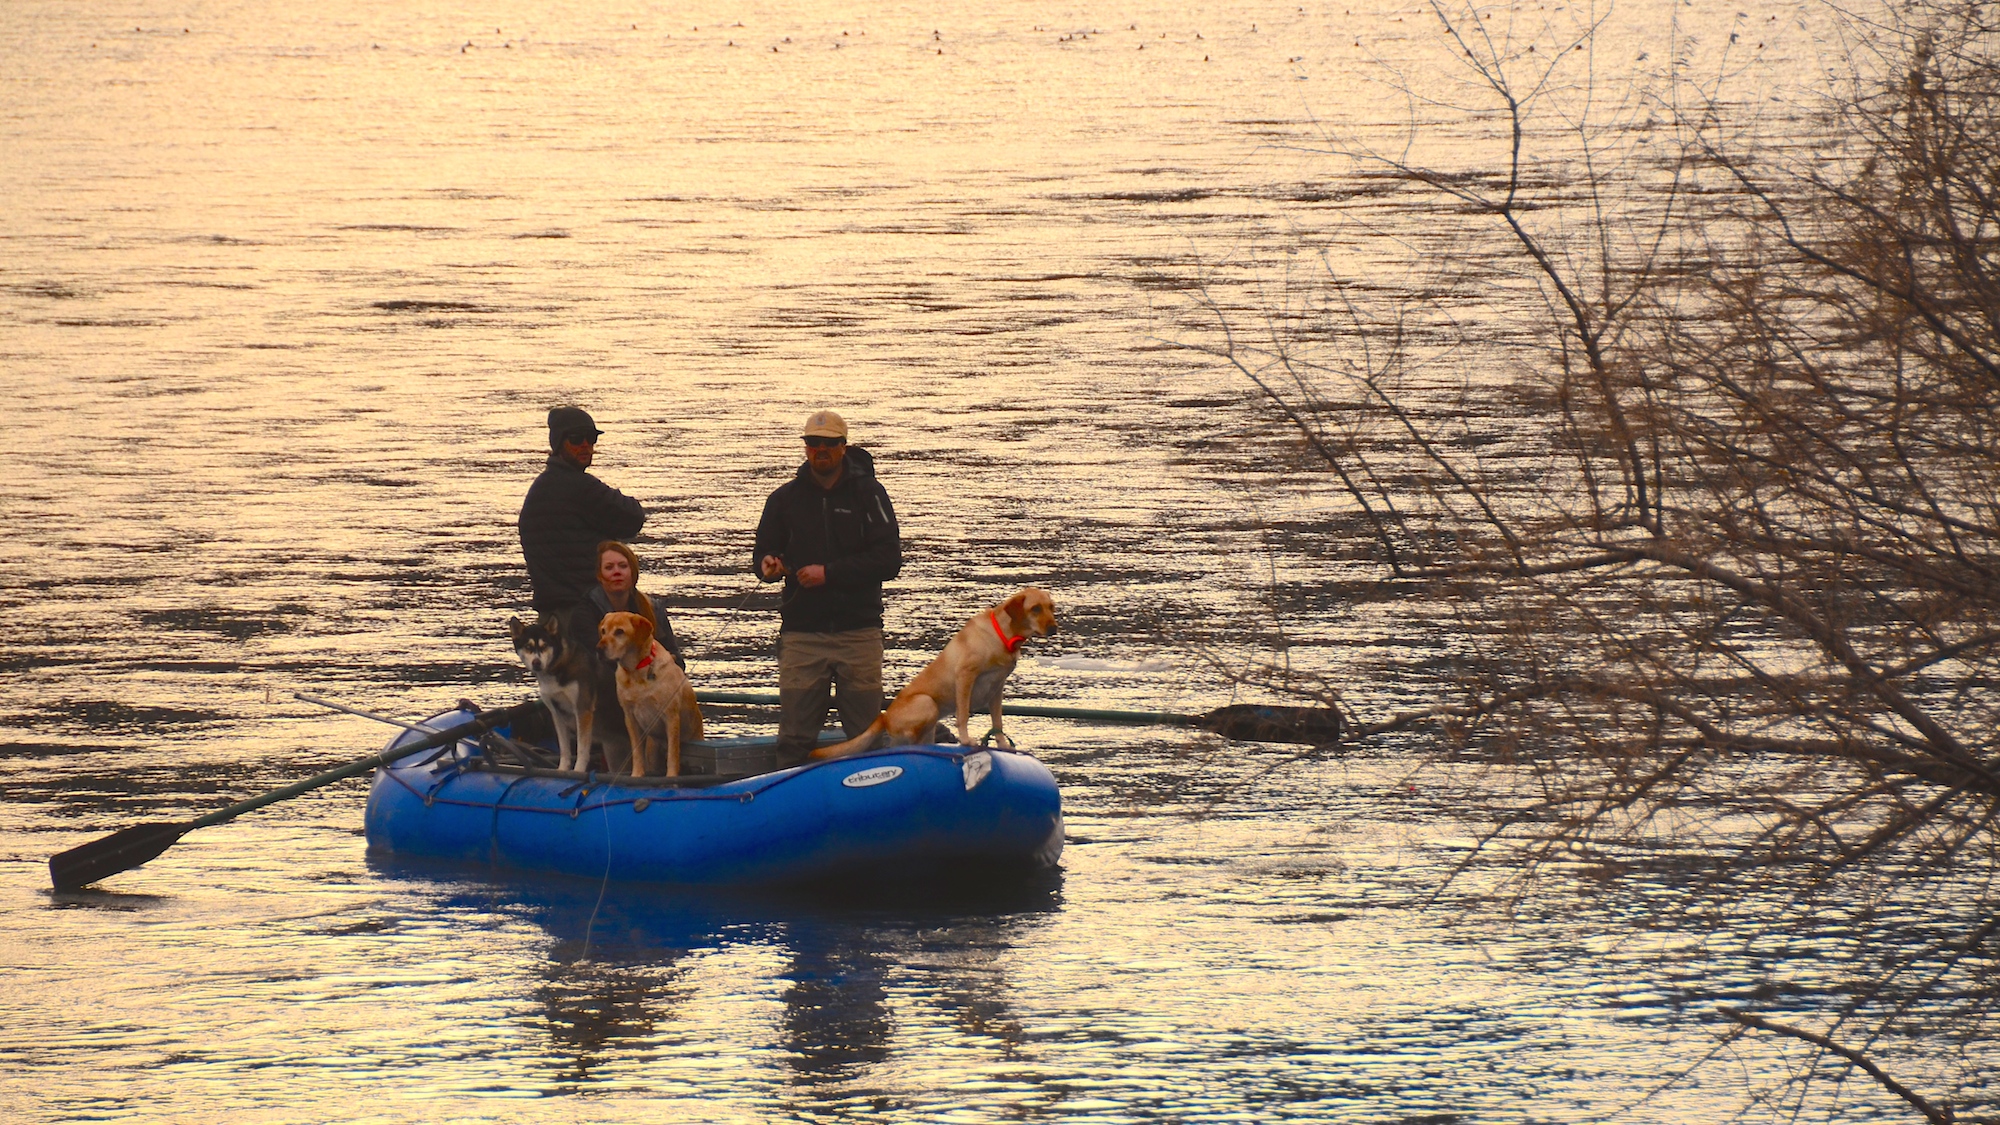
x=121 y=851
x=1261 y=722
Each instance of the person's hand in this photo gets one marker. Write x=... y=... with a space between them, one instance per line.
x=814 y=575
x=771 y=566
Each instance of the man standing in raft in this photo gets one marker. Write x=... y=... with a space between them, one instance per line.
x=567 y=514
x=830 y=533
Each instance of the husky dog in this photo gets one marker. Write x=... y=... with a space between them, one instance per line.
x=567 y=674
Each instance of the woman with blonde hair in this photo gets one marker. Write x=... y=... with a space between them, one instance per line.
x=617 y=591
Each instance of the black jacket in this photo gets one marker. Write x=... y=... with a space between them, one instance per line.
x=567 y=514
x=849 y=529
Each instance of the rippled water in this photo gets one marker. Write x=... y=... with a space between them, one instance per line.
x=283 y=298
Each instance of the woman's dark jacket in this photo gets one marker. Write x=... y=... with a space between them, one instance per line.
x=567 y=514
x=598 y=603
x=849 y=529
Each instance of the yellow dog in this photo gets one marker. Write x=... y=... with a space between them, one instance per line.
x=967 y=675
x=658 y=700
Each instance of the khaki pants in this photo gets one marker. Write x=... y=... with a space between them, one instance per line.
x=809 y=665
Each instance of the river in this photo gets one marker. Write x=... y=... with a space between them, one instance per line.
x=285 y=293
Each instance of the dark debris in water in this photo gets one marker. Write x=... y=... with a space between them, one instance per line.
x=110 y=714
x=236 y=624
x=430 y=306
x=376 y=480
x=42 y=750
x=1182 y=195
x=364 y=926
x=48 y=290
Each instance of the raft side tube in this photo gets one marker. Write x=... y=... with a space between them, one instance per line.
x=898 y=812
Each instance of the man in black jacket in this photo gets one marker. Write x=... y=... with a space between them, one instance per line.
x=830 y=533
x=568 y=513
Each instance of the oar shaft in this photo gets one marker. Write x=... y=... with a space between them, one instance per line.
x=435 y=739
x=128 y=848
x=1101 y=715
x=332 y=706
x=1032 y=710
x=754 y=698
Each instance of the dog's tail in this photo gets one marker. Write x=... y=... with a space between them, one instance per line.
x=863 y=741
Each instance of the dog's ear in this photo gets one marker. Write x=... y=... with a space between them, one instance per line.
x=1016 y=608
x=642 y=634
x=515 y=628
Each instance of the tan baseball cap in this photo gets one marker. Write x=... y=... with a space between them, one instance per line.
x=825 y=423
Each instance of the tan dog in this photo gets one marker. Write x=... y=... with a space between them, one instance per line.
x=967 y=675
x=658 y=700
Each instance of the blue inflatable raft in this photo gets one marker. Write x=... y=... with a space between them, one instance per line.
x=906 y=812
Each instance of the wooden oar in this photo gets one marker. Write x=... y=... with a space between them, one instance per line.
x=129 y=847
x=1246 y=722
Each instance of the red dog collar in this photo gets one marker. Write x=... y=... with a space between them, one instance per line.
x=643 y=663
x=1013 y=644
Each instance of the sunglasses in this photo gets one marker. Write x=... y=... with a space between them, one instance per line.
x=825 y=442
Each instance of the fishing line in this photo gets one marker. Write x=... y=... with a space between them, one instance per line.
x=757 y=584
x=604 y=807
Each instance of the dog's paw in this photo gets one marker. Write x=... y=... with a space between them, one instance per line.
x=1001 y=741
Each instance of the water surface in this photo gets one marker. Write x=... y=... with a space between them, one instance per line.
x=284 y=295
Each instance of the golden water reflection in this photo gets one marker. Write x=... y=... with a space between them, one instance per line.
x=285 y=293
